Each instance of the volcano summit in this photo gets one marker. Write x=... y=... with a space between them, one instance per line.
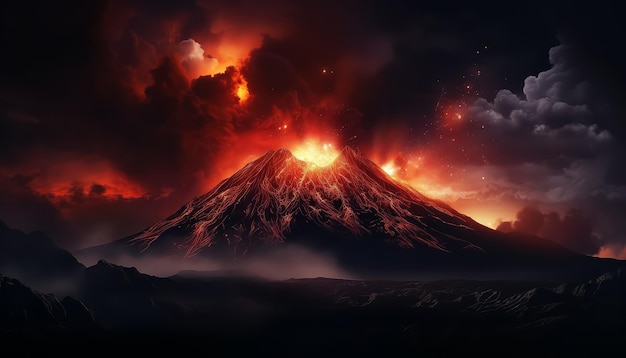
x=373 y=225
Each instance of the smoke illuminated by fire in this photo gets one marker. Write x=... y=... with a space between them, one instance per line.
x=242 y=91
x=198 y=64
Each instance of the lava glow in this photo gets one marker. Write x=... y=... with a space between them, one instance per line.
x=390 y=169
x=242 y=91
x=320 y=154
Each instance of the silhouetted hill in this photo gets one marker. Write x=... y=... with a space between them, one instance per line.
x=24 y=309
x=36 y=260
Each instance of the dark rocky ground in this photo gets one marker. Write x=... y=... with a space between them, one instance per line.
x=120 y=307
x=52 y=304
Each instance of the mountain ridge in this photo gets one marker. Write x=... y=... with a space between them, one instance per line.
x=278 y=189
x=350 y=209
x=116 y=307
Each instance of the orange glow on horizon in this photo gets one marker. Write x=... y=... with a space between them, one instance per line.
x=614 y=252
x=73 y=179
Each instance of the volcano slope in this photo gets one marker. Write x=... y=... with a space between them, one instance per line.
x=374 y=226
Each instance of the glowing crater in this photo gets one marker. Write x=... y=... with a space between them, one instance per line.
x=316 y=153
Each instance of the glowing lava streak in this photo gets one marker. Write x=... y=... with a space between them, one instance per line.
x=320 y=154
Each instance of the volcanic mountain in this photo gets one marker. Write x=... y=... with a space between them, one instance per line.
x=372 y=224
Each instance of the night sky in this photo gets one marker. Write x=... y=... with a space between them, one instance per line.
x=115 y=113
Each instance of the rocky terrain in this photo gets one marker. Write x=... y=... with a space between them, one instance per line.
x=115 y=308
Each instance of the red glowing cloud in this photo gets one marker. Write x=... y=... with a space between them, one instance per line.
x=76 y=179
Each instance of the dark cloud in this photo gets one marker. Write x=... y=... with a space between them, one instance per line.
x=272 y=78
x=436 y=48
x=573 y=230
x=505 y=226
x=529 y=220
x=554 y=119
x=21 y=207
x=97 y=189
x=551 y=146
x=218 y=90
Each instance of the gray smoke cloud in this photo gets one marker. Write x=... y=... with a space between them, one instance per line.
x=550 y=148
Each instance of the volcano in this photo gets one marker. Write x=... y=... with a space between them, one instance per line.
x=351 y=209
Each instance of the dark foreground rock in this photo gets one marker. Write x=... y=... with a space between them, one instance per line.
x=330 y=317
x=24 y=309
